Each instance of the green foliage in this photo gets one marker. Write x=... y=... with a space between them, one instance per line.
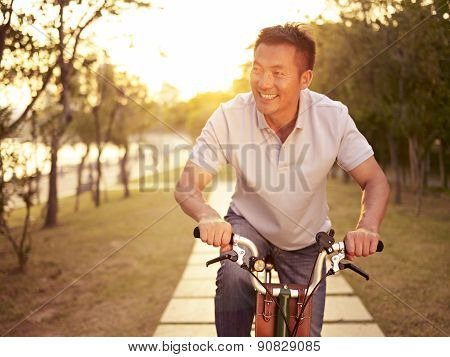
x=112 y=93
x=23 y=56
x=242 y=84
x=15 y=182
x=192 y=115
x=391 y=72
x=136 y=108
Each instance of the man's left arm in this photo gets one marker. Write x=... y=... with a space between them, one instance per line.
x=375 y=195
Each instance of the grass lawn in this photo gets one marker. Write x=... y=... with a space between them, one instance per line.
x=414 y=264
x=124 y=296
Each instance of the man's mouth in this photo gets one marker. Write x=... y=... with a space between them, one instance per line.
x=268 y=96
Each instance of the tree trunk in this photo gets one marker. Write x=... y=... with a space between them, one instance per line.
x=98 y=141
x=124 y=174
x=25 y=243
x=426 y=163
x=91 y=181
x=442 y=166
x=80 y=176
x=393 y=152
x=52 y=203
x=65 y=69
x=413 y=163
x=34 y=134
x=38 y=187
x=98 y=178
x=419 y=192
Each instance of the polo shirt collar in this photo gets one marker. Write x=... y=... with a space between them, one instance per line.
x=262 y=123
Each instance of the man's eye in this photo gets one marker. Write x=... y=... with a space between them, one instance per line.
x=278 y=73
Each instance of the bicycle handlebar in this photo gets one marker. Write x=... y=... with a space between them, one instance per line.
x=196 y=233
x=328 y=247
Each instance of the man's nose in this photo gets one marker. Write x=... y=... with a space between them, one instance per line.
x=265 y=81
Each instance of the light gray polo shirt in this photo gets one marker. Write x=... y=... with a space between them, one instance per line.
x=281 y=187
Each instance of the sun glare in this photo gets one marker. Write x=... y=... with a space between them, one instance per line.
x=194 y=46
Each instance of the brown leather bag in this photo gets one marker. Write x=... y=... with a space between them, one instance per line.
x=266 y=312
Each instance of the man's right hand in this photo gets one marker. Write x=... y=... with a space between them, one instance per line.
x=216 y=232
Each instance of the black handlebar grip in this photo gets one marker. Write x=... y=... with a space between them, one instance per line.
x=380 y=246
x=197 y=234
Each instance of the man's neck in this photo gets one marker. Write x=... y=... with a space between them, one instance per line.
x=283 y=124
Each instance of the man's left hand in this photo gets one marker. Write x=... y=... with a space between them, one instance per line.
x=360 y=243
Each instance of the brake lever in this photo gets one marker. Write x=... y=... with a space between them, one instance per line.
x=232 y=257
x=354 y=268
x=337 y=264
x=239 y=252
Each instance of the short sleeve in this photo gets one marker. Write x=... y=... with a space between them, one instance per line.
x=208 y=151
x=354 y=148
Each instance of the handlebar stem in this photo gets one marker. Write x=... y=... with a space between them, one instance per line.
x=241 y=241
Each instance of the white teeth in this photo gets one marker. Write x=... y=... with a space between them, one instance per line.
x=268 y=96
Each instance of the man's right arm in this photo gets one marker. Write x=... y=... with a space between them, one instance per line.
x=189 y=194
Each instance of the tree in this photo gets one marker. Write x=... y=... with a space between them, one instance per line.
x=132 y=119
x=398 y=96
x=105 y=113
x=24 y=59
x=15 y=180
x=69 y=37
x=82 y=130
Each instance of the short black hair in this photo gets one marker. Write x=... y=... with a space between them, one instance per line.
x=294 y=34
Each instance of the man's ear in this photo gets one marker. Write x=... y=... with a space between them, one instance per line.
x=306 y=78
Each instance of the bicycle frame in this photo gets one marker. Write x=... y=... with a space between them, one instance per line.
x=283 y=294
x=327 y=247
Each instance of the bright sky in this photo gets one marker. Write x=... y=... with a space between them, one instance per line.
x=193 y=45
x=196 y=45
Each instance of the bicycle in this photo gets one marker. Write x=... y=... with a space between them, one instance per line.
x=280 y=321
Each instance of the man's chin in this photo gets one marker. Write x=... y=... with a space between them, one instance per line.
x=265 y=109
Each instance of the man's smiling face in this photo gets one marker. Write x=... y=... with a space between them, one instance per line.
x=276 y=79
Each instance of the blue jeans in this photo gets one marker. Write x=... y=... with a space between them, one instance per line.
x=235 y=299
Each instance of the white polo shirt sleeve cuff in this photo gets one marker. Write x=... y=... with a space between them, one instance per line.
x=358 y=161
x=203 y=164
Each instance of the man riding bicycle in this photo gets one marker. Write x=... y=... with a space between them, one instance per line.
x=282 y=140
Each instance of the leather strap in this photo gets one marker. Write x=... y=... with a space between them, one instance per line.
x=266 y=312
